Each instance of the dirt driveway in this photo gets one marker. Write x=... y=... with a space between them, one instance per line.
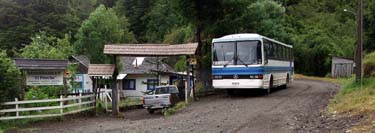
x=300 y=108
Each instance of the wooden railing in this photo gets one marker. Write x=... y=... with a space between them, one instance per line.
x=65 y=106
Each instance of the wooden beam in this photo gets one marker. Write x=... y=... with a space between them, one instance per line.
x=115 y=107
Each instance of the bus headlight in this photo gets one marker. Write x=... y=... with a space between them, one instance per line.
x=257 y=76
x=217 y=77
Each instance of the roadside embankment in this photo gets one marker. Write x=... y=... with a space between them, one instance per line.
x=354 y=100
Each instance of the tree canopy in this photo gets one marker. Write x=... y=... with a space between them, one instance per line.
x=317 y=29
x=103 y=26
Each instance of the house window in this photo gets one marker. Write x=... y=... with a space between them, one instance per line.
x=151 y=84
x=128 y=84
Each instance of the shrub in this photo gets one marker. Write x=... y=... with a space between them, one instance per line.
x=369 y=65
x=9 y=78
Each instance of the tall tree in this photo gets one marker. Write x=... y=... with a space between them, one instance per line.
x=21 y=19
x=48 y=47
x=102 y=27
x=9 y=78
x=136 y=11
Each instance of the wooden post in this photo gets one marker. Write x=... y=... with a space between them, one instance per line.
x=17 y=113
x=187 y=90
x=61 y=105
x=80 y=100
x=194 y=86
x=115 y=107
x=105 y=98
x=358 y=52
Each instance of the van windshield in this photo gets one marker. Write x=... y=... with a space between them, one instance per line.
x=165 y=90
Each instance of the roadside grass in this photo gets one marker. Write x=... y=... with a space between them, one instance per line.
x=170 y=111
x=15 y=124
x=327 y=79
x=352 y=100
x=124 y=103
x=130 y=102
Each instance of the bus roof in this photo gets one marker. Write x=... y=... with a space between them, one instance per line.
x=244 y=37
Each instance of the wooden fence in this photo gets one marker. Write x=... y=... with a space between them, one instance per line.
x=65 y=106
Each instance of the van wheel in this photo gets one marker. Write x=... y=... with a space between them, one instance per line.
x=151 y=111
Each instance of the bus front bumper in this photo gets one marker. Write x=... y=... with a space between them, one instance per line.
x=238 y=84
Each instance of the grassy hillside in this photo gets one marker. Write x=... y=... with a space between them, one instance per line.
x=356 y=100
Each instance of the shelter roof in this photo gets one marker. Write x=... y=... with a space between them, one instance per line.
x=41 y=64
x=151 y=49
x=101 y=69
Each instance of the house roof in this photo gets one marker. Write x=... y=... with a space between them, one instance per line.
x=83 y=59
x=44 y=64
x=151 y=49
x=101 y=69
x=149 y=64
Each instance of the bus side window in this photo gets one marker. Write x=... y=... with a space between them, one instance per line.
x=272 y=50
x=284 y=53
x=266 y=47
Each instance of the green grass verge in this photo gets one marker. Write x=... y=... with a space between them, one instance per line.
x=14 y=124
x=170 y=111
x=327 y=79
x=352 y=100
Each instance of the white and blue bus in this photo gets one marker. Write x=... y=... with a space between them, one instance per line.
x=251 y=61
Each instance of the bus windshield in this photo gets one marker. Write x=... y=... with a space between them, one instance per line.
x=223 y=53
x=237 y=53
x=249 y=53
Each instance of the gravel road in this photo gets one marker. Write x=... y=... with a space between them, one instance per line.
x=300 y=108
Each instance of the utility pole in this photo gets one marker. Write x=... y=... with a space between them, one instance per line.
x=359 y=47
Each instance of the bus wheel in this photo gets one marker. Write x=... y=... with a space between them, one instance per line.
x=287 y=82
x=270 y=86
x=230 y=92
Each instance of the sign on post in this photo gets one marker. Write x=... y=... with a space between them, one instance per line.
x=193 y=61
x=44 y=77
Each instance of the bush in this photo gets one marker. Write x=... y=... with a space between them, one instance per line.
x=9 y=78
x=369 y=65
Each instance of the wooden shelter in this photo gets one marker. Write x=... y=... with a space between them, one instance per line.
x=151 y=49
x=37 y=72
x=101 y=70
x=147 y=50
x=342 y=67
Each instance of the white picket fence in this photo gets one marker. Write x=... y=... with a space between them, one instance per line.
x=80 y=103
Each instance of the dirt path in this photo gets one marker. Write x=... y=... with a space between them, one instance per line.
x=300 y=108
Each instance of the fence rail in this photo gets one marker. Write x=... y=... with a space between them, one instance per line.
x=82 y=103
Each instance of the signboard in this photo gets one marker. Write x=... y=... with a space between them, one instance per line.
x=193 y=61
x=44 y=77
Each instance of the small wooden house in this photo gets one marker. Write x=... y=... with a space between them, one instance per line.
x=342 y=67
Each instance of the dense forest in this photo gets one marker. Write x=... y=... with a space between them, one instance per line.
x=57 y=29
